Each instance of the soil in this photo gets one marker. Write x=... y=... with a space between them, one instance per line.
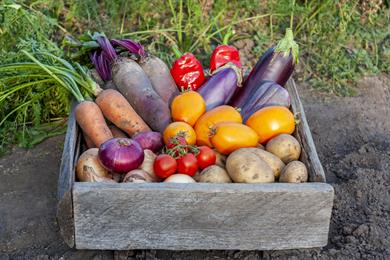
x=352 y=135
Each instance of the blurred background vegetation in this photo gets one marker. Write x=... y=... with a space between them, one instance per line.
x=340 y=42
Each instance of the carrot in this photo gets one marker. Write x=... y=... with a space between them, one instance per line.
x=116 y=109
x=88 y=141
x=90 y=118
x=116 y=132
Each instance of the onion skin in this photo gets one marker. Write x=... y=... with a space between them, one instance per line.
x=220 y=87
x=180 y=178
x=267 y=94
x=89 y=169
x=150 y=140
x=274 y=66
x=138 y=176
x=121 y=155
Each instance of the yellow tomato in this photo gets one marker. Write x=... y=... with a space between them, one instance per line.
x=271 y=121
x=176 y=128
x=229 y=137
x=188 y=107
x=209 y=119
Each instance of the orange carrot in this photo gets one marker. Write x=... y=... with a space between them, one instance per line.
x=116 y=109
x=116 y=132
x=91 y=120
x=88 y=141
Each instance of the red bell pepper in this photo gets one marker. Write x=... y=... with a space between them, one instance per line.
x=224 y=54
x=187 y=72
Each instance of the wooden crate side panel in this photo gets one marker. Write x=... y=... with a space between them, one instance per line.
x=201 y=216
x=66 y=180
x=309 y=154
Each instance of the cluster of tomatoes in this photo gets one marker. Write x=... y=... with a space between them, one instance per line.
x=181 y=157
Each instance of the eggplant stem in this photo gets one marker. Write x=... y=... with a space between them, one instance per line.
x=288 y=46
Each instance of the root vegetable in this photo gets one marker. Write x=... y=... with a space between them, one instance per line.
x=180 y=178
x=147 y=164
x=91 y=120
x=121 y=155
x=246 y=167
x=136 y=87
x=272 y=160
x=294 y=172
x=138 y=176
x=284 y=146
x=89 y=169
x=213 y=174
x=88 y=141
x=150 y=140
x=160 y=76
x=116 y=109
x=116 y=132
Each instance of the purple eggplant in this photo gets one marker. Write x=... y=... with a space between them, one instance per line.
x=268 y=93
x=220 y=87
x=277 y=64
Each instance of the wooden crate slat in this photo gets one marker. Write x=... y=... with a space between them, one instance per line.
x=201 y=216
x=309 y=154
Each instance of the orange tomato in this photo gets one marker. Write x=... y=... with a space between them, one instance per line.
x=271 y=121
x=176 y=128
x=209 y=119
x=230 y=136
x=188 y=107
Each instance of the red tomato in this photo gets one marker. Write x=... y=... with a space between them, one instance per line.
x=164 y=165
x=206 y=157
x=175 y=141
x=187 y=164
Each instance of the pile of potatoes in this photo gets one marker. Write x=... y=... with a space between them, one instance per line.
x=278 y=160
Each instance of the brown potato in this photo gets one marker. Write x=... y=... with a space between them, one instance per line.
x=272 y=160
x=284 y=146
x=213 y=174
x=246 y=167
x=294 y=172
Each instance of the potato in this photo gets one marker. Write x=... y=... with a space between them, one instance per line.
x=213 y=174
x=294 y=172
x=260 y=146
x=245 y=166
x=272 y=160
x=221 y=159
x=284 y=146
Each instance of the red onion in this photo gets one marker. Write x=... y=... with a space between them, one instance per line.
x=121 y=155
x=150 y=140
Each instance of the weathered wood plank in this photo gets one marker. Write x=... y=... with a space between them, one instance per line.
x=65 y=218
x=309 y=154
x=66 y=179
x=201 y=216
x=71 y=146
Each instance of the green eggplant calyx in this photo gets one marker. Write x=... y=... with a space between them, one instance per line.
x=287 y=45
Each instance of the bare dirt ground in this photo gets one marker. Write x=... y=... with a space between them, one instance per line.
x=353 y=141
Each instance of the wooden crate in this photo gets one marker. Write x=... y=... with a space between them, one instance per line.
x=199 y=215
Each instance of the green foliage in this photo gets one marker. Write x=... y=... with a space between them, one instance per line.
x=340 y=41
x=27 y=102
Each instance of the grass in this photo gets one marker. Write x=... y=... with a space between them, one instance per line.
x=340 y=41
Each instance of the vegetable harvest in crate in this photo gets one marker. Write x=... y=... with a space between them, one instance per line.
x=174 y=124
